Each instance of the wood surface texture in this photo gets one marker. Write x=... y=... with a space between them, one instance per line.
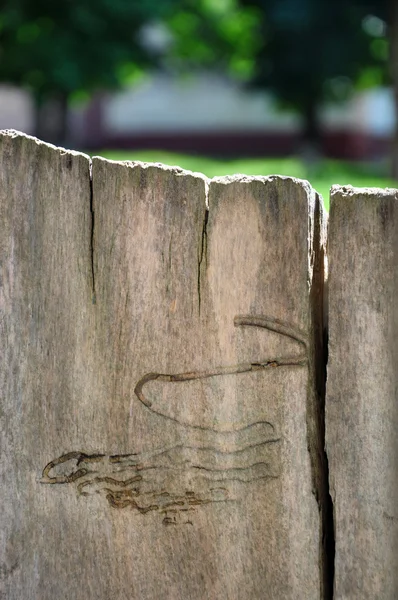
x=362 y=391
x=161 y=382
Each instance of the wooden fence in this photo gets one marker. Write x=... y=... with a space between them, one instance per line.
x=178 y=418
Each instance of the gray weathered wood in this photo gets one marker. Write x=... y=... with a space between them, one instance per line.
x=362 y=391
x=162 y=429
x=47 y=399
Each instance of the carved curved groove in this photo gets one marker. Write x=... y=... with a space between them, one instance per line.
x=276 y=325
x=141 y=483
x=273 y=324
x=136 y=481
x=79 y=456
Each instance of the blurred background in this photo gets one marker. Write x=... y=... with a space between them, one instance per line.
x=307 y=88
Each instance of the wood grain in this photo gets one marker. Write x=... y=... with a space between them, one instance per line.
x=161 y=411
x=362 y=390
x=46 y=327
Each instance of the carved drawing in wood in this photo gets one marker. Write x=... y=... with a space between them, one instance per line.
x=177 y=479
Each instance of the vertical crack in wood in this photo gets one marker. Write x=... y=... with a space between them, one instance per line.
x=202 y=252
x=92 y=232
x=316 y=405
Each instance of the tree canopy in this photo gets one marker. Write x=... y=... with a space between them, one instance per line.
x=316 y=50
x=60 y=49
x=70 y=46
x=304 y=51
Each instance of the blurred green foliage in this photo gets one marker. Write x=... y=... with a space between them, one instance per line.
x=216 y=34
x=311 y=51
x=74 y=47
x=305 y=51
x=318 y=48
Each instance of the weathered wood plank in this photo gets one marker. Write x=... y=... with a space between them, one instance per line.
x=164 y=441
x=362 y=390
x=46 y=362
x=264 y=238
x=185 y=326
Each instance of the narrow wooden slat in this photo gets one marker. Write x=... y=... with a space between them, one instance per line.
x=362 y=391
x=46 y=361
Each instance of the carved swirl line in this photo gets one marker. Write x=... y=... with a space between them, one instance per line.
x=133 y=461
x=186 y=480
x=276 y=325
x=157 y=480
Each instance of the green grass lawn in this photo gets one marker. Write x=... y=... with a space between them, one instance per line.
x=322 y=176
